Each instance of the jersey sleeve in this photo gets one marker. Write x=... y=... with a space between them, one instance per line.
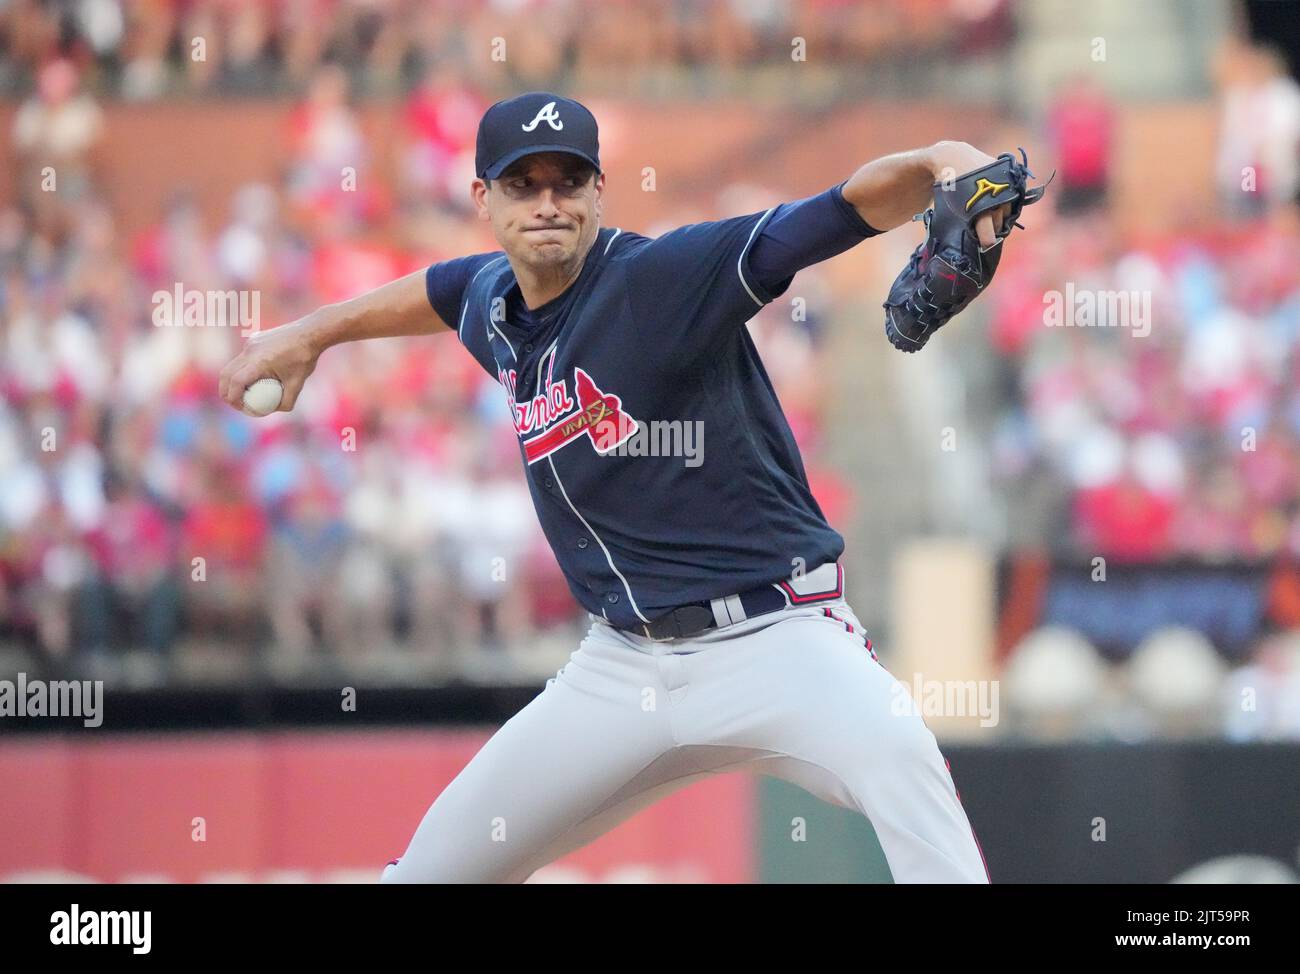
x=804 y=233
x=690 y=289
x=446 y=284
x=693 y=287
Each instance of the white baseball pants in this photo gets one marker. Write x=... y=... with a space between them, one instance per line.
x=795 y=693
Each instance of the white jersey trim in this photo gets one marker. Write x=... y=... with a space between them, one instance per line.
x=498 y=331
x=463 y=310
x=740 y=261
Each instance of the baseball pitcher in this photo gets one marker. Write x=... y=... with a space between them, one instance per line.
x=720 y=637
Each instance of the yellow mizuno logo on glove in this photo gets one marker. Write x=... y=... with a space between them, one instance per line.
x=984 y=187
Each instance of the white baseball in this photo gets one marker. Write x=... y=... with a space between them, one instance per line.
x=263 y=396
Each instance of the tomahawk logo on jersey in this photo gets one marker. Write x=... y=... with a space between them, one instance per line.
x=597 y=417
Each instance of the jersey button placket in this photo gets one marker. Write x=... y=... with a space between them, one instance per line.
x=582 y=542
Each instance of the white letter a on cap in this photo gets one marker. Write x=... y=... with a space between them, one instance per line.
x=549 y=115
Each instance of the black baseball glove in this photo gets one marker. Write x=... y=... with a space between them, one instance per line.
x=950 y=269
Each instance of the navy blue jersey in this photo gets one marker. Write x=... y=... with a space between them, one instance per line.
x=661 y=466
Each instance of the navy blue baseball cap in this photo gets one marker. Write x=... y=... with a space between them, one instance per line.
x=537 y=121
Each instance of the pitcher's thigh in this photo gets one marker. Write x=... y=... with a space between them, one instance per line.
x=547 y=768
x=854 y=738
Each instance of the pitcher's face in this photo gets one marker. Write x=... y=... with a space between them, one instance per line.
x=544 y=209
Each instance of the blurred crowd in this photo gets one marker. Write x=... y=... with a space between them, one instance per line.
x=1151 y=413
x=1152 y=403
x=148 y=532
x=141 y=49
x=1167 y=424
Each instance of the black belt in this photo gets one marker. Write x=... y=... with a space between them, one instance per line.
x=694 y=618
